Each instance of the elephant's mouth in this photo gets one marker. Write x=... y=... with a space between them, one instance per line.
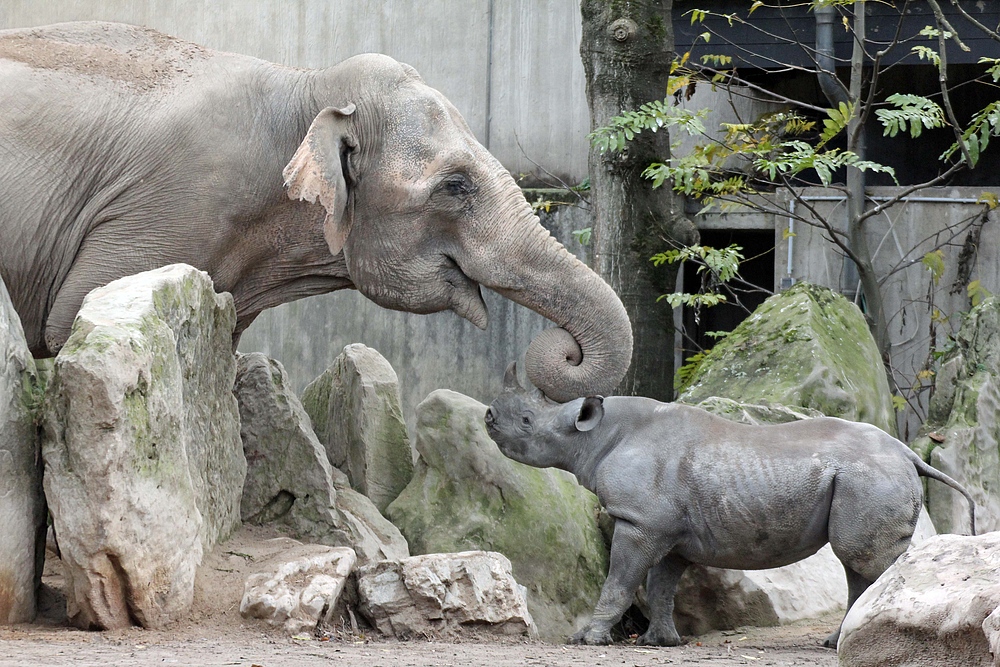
x=465 y=295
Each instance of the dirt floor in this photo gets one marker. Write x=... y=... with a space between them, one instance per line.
x=216 y=634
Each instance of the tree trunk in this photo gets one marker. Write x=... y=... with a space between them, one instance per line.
x=627 y=49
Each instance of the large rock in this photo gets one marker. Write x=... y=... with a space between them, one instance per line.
x=991 y=628
x=808 y=347
x=289 y=479
x=22 y=505
x=931 y=607
x=355 y=411
x=144 y=466
x=301 y=593
x=465 y=495
x=710 y=598
x=441 y=595
x=962 y=434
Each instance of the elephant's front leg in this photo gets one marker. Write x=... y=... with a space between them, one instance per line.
x=631 y=557
x=660 y=588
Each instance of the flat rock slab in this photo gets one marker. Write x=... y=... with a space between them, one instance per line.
x=936 y=605
x=441 y=595
x=143 y=461
x=22 y=505
x=301 y=593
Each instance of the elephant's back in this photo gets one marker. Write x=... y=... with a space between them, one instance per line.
x=141 y=59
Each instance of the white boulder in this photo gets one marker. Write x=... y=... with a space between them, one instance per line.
x=356 y=413
x=439 y=595
x=289 y=480
x=22 y=506
x=144 y=466
x=301 y=594
x=931 y=607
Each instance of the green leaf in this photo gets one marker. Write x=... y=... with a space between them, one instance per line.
x=926 y=53
x=912 y=111
x=836 y=121
x=934 y=262
x=977 y=293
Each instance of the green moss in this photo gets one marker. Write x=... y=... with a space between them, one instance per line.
x=539 y=527
x=657 y=28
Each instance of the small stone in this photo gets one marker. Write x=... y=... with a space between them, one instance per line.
x=301 y=593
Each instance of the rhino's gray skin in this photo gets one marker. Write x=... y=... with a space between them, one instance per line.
x=685 y=486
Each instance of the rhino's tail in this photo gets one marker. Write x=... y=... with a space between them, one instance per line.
x=927 y=470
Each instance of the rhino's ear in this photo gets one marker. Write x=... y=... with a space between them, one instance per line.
x=320 y=171
x=591 y=413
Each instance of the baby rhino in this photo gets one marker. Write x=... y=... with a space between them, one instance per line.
x=685 y=486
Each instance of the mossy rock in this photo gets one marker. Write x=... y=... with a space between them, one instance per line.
x=465 y=495
x=807 y=347
x=961 y=436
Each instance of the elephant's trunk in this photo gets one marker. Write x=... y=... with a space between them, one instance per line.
x=592 y=348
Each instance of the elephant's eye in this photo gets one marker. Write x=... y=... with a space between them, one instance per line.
x=457 y=185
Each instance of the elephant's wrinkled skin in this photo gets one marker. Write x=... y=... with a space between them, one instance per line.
x=685 y=486
x=122 y=150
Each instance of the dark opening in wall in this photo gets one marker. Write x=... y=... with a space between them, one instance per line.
x=757 y=269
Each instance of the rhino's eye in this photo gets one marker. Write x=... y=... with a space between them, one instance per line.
x=526 y=420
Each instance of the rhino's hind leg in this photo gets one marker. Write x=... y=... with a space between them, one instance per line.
x=661 y=584
x=856 y=585
x=631 y=557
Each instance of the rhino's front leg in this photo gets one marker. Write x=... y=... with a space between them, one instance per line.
x=660 y=588
x=631 y=557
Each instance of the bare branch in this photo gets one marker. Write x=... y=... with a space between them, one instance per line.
x=971 y=19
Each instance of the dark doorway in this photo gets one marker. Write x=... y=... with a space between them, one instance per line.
x=757 y=268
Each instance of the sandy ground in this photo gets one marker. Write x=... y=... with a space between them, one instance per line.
x=216 y=634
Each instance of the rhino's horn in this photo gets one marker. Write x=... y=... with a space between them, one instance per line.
x=510 y=377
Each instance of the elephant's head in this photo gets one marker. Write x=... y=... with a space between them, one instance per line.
x=425 y=216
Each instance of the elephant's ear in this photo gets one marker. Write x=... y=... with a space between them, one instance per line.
x=317 y=171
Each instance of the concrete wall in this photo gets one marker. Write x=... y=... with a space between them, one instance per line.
x=512 y=67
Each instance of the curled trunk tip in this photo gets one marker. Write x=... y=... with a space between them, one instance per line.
x=556 y=364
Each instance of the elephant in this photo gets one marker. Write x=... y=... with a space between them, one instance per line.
x=685 y=486
x=123 y=149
